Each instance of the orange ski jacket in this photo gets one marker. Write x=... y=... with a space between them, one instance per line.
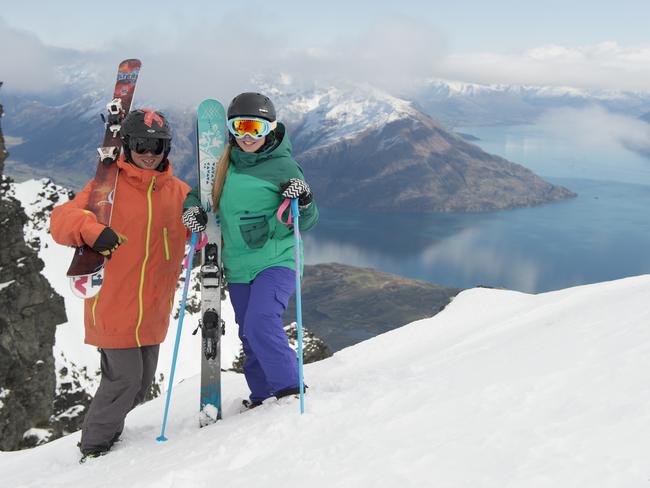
x=133 y=306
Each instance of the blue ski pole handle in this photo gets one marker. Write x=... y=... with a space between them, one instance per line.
x=181 y=315
x=295 y=211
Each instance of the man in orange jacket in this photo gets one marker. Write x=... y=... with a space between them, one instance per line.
x=145 y=242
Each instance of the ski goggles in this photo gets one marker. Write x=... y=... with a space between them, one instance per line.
x=143 y=145
x=254 y=127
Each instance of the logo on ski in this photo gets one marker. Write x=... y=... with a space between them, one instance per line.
x=129 y=77
x=80 y=284
x=87 y=286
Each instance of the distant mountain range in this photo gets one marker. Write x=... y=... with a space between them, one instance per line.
x=59 y=142
x=358 y=145
x=459 y=104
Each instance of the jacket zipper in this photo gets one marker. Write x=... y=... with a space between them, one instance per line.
x=167 y=258
x=95 y=301
x=151 y=189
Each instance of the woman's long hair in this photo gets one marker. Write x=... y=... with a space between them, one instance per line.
x=220 y=177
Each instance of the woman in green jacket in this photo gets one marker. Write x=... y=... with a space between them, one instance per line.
x=255 y=174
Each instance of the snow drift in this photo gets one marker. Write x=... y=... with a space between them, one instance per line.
x=501 y=389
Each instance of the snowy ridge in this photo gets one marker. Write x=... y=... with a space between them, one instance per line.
x=464 y=89
x=501 y=389
x=320 y=116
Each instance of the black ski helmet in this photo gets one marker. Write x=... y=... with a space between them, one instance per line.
x=145 y=122
x=251 y=104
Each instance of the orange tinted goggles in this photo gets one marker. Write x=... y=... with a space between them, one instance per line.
x=254 y=127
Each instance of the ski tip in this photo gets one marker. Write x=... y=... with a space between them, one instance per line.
x=209 y=101
x=211 y=108
x=161 y=438
x=131 y=61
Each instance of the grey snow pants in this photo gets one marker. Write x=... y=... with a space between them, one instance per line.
x=127 y=375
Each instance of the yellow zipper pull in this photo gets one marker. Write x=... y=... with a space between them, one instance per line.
x=153 y=186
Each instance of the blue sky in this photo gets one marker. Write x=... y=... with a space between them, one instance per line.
x=583 y=44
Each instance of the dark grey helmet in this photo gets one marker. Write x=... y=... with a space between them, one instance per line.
x=147 y=123
x=251 y=104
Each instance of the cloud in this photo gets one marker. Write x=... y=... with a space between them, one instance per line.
x=217 y=57
x=220 y=59
x=606 y=65
x=224 y=60
x=391 y=54
x=596 y=127
x=31 y=66
x=27 y=64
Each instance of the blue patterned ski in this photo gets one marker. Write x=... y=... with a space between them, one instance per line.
x=211 y=139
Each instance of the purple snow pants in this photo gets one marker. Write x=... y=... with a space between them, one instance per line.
x=271 y=365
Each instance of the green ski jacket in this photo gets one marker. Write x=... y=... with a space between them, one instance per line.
x=253 y=238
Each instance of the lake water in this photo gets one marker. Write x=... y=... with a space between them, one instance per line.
x=601 y=235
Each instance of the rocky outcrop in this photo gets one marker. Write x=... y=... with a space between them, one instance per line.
x=29 y=313
x=344 y=305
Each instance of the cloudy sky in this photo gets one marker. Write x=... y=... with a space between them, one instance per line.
x=221 y=45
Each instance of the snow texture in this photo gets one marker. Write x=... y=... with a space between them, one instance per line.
x=501 y=389
x=40 y=436
x=4 y=393
x=5 y=285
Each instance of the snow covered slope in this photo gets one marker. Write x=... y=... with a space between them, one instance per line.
x=501 y=389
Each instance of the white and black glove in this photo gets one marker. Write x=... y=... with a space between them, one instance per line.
x=195 y=219
x=295 y=188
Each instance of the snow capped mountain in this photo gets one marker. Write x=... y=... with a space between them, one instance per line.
x=459 y=88
x=465 y=104
x=500 y=389
x=323 y=116
x=335 y=131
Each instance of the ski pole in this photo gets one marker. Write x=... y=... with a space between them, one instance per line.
x=186 y=287
x=296 y=234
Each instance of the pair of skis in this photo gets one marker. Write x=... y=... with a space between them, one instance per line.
x=86 y=272
x=211 y=139
x=211 y=142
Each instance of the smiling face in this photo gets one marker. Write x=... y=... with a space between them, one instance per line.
x=146 y=160
x=249 y=145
